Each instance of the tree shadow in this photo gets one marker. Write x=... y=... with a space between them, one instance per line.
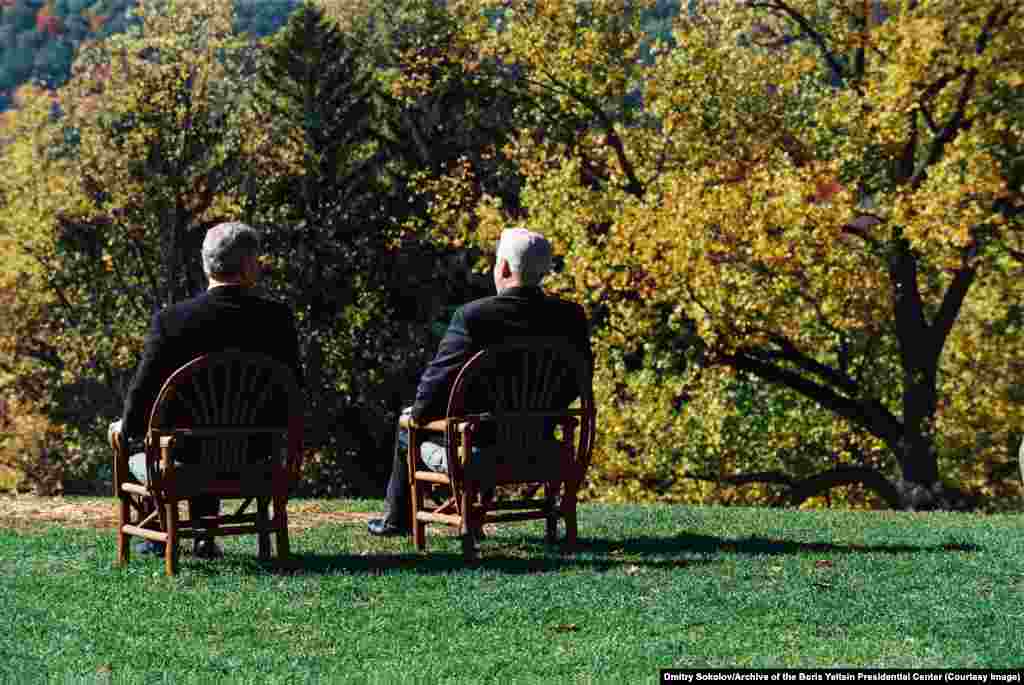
x=694 y=543
x=528 y=555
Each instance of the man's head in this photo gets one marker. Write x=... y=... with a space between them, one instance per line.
x=523 y=259
x=231 y=253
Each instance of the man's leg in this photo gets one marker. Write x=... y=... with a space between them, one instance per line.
x=204 y=547
x=397 y=505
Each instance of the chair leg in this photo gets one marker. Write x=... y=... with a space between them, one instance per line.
x=263 y=521
x=416 y=494
x=124 y=509
x=550 y=495
x=281 y=523
x=171 y=551
x=419 y=528
x=569 y=513
x=468 y=523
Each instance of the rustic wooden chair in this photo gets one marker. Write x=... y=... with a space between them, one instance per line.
x=227 y=425
x=520 y=383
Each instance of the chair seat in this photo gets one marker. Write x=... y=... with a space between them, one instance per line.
x=491 y=465
x=137 y=467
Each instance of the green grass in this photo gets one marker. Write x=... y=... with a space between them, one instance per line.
x=652 y=587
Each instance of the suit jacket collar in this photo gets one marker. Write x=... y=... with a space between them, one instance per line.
x=526 y=291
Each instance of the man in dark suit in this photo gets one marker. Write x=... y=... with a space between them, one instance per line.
x=228 y=315
x=519 y=309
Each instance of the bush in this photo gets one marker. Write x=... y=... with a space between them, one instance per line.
x=31 y=447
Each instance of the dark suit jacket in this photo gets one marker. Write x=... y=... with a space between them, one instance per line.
x=523 y=311
x=222 y=318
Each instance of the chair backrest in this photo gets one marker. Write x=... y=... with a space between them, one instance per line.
x=234 y=416
x=516 y=392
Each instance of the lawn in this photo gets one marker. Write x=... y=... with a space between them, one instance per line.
x=651 y=587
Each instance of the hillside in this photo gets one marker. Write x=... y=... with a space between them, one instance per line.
x=38 y=38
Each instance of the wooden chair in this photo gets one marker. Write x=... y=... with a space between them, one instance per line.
x=227 y=425
x=520 y=383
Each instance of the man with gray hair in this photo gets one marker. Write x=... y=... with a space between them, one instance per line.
x=229 y=314
x=519 y=309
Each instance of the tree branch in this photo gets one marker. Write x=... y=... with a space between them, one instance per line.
x=634 y=186
x=817 y=38
x=957 y=120
x=789 y=352
x=953 y=126
x=872 y=416
x=950 y=307
x=802 y=489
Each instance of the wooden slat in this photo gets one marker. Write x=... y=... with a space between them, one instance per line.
x=233 y=530
x=516 y=414
x=549 y=385
x=517 y=516
x=200 y=408
x=433 y=477
x=157 y=535
x=435 y=426
x=240 y=399
x=519 y=504
x=228 y=392
x=144 y=523
x=450 y=519
x=448 y=505
x=135 y=489
x=229 y=519
x=216 y=431
x=261 y=401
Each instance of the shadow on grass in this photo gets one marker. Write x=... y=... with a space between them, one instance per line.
x=531 y=556
x=438 y=563
x=693 y=543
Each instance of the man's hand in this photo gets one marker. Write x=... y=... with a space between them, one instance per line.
x=114 y=434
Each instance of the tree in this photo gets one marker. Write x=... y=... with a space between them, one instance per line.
x=137 y=157
x=826 y=196
x=335 y=164
x=35 y=350
x=317 y=187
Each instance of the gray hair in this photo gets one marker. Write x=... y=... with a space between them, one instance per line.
x=226 y=248
x=528 y=254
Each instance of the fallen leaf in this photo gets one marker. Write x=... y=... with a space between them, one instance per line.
x=824 y=563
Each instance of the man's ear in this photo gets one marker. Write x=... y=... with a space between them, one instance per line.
x=251 y=273
x=504 y=269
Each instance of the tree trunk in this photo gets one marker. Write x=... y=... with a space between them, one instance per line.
x=916 y=450
x=920 y=487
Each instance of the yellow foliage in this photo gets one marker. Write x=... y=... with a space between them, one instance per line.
x=765 y=190
x=30 y=446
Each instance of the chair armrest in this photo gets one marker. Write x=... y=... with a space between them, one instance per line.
x=115 y=437
x=564 y=418
x=437 y=426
